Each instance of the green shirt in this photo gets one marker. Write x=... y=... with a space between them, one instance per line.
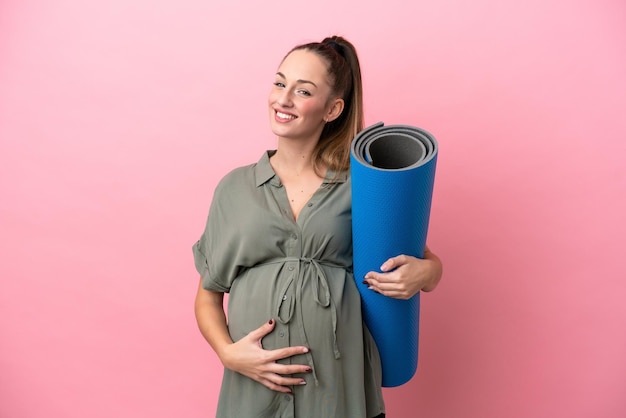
x=300 y=274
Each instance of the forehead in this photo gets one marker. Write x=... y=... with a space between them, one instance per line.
x=304 y=65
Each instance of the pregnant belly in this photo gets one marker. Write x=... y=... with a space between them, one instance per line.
x=305 y=312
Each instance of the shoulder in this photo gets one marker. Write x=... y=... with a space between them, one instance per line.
x=239 y=173
x=340 y=178
x=246 y=178
x=237 y=179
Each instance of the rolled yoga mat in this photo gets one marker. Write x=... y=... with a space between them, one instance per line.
x=393 y=171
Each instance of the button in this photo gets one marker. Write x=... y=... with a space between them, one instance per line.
x=284 y=297
x=294 y=236
x=287 y=397
x=310 y=204
x=281 y=334
x=291 y=268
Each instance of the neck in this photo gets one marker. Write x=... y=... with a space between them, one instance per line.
x=294 y=156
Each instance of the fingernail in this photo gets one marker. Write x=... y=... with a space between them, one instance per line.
x=309 y=370
x=303 y=382
x=271 y=322
x=305 y=350
x=364 y=282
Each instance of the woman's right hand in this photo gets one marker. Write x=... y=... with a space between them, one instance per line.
x=248 y=357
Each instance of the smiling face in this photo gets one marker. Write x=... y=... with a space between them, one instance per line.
x=301 y=100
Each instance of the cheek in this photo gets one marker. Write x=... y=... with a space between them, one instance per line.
x=314 y=109
x=271 y=98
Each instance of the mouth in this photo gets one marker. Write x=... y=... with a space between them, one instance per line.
x=285 y=117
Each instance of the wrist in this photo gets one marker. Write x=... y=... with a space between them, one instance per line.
x=435 y=269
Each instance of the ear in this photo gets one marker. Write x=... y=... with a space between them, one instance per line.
x=334 y=110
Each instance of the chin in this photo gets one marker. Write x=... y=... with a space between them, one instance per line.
x=281 y=130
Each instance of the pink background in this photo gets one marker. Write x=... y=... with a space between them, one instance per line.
x=118 y=117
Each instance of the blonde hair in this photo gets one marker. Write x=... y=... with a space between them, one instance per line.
x=333 y=148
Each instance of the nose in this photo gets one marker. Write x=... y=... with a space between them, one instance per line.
x=284 y=98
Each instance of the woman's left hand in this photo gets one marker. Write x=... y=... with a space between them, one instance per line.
x=403 y=276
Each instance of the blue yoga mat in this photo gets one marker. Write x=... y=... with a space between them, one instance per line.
x=393 y=171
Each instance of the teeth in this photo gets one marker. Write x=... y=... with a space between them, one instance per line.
x=284 y=115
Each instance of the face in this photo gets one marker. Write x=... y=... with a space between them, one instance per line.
x=301 y=100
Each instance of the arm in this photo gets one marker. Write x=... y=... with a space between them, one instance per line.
x=403 y=276
x=247 y=355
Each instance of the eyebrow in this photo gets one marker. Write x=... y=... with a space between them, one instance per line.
x=297 y=81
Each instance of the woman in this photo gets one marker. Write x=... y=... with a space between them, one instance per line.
x=278 y=239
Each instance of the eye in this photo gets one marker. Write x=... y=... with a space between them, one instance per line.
x=279 y=84
x=304 y=92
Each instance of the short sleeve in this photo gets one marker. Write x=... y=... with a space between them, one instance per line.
x=206 y=249
x=222 y=253
x=200 y=255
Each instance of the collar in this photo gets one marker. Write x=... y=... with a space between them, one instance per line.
x=263 y=172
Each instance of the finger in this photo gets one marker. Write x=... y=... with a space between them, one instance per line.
x=374 y=278
x=393 y=293
x=284 y=381
x=289 y=369
x=273 y=386
x=263 y=330
x=393 y=262
x=281 y=353
x=389 y=264
x=388 y=286
x=392 y=289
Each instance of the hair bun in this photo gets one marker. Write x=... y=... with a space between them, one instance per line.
x=334 y=45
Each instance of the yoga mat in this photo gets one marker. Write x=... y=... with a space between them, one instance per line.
x=393 y=171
